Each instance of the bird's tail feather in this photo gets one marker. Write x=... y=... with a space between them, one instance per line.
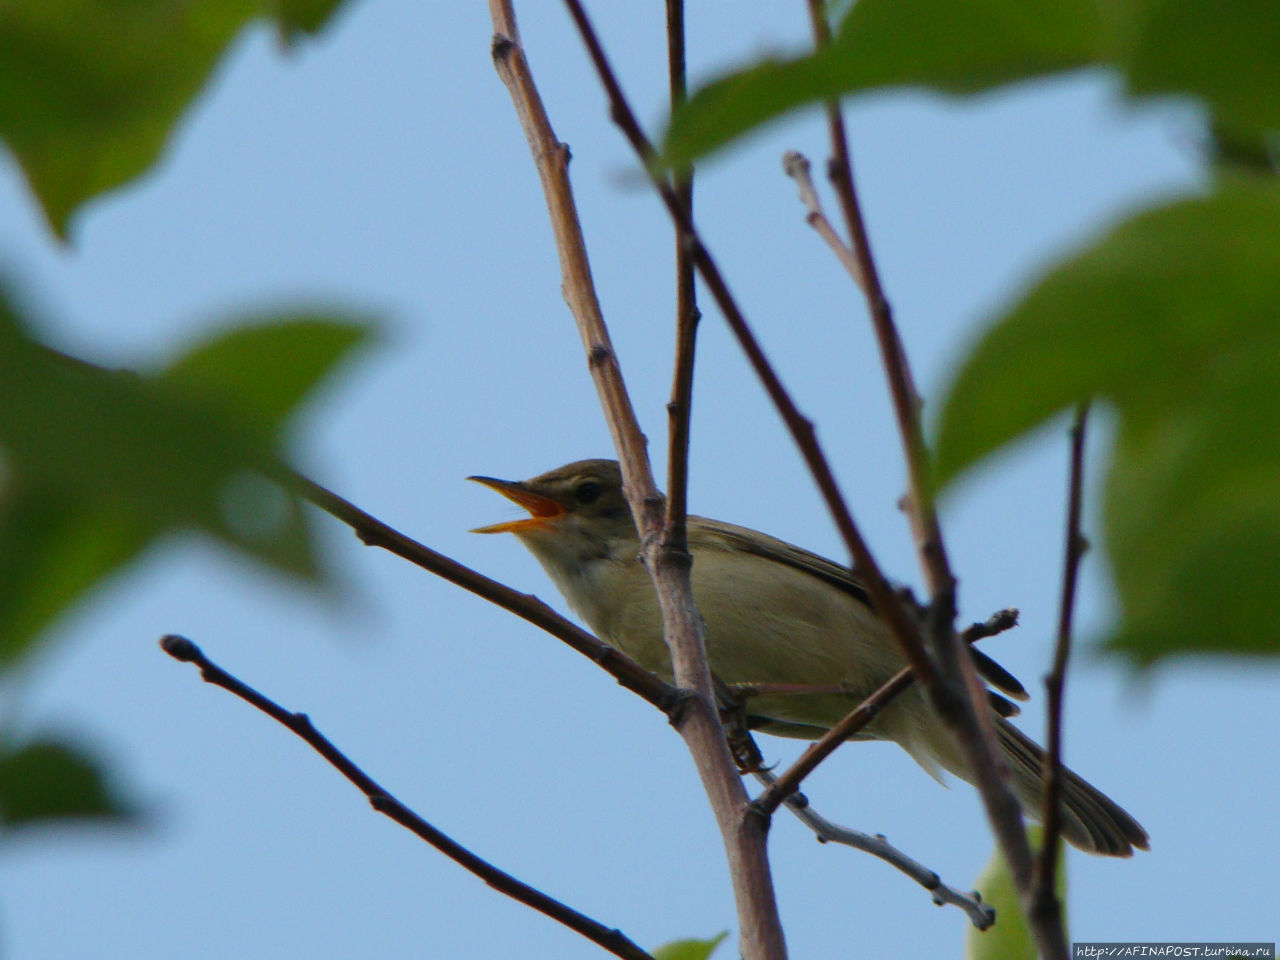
x=1090 y=819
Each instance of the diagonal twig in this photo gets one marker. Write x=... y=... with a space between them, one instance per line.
x=797 y=167
x=374 y=533
x=981 y=915
x=611 y=939
x=960 y=699
x=782 y=787
x=680 y=407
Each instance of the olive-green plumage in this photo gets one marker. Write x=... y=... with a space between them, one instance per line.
x=774 y=614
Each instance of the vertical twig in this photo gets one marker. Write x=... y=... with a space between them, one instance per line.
x=743 y=833
x=1045 y=904
x=680 y=408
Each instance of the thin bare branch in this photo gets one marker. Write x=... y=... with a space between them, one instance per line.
x=611 y=939
x=680 y=408
x=699 y=724
x=797 y=167
x=997 y=623
x=906 y=400
x=980 y=914
x=1046 y=908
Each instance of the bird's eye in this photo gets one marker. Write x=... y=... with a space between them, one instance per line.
x=588 y=492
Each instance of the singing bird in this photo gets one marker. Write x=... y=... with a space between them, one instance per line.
x=774 y=614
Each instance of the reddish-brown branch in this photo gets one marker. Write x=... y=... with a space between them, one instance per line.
x=906 y=400
x=960 y=697
x=680 y=408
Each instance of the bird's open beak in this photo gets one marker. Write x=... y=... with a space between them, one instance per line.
x=542 y=509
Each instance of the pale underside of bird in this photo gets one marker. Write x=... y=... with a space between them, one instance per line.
x=774 y=614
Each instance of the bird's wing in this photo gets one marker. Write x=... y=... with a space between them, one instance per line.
x=731 y=537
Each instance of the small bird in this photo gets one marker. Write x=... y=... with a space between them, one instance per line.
x=774 y=614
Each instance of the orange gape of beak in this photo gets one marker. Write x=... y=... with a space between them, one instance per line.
x=543 y=509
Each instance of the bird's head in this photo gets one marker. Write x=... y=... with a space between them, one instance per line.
x=572 y=506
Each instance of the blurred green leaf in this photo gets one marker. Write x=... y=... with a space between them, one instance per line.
x=305 y=16
x=952 y=46
x=1172 y=316
x=50 y=780
x=1193 y=513
x=1010 y=938
x=53 y=549
x=689 y=949
x=99 y=464
x=262 y=369
x=91 y=90
x=1226 y=54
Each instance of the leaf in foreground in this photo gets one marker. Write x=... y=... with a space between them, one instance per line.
x=1173 y=318
x=92 y=90
x=951 y=46
x=1010 y=938
x=689 y=949
x=1228 y=55
x=100 y=464
x=50 y=780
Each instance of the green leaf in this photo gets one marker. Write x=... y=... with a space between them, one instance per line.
x=1172 y=317
x=91 y=90
x=52 y=780
x=689 y=949
x=1226 y=54
x=53 y=549
x=305 y=16
x=1010 y=938
x=262 y=369
x=952 y=46
x=100 y=464
x=1193 y=515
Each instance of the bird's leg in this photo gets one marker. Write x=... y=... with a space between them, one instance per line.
x=733 y=715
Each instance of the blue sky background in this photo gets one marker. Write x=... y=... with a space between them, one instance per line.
x=382 y=168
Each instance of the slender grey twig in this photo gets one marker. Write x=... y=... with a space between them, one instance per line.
x=981 y=915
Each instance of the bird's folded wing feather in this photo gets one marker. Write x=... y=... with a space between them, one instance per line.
x=734 y=538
